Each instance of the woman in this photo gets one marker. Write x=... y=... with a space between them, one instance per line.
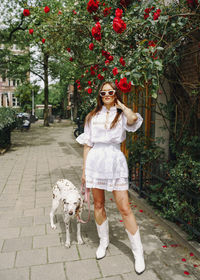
x=105 y=166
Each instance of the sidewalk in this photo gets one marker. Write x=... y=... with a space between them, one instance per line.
x=31 y=250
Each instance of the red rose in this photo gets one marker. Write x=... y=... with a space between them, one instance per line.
x=43 y=41
x=91 y=46
x=151 y=43
x=124 y=86
x=100 y=77
x=71 y=59
x=68 y=49
x=59 y=12
x=107 y=61
x=89 y=83
x=79 y=86
x=46 y=9
x=118 y=13
x=26 y=12
x=93 y=73
x=96 y=31
x=104 y=69
x=103 y=52
x=106 y=11
x=122 y=62
x=116 y=83
x=78 y=81
x=31 y=31
x=146 y=16
x=147 y=10
x=107 y=54
x=92 y=6
x=86 y=71
x=89 y=90
x=156 y=14
x=115 y=71
x=119 y=25
x=74 y=12
x=98 y=26
x=110 y=58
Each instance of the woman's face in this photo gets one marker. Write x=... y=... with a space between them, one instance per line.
x=108 y=99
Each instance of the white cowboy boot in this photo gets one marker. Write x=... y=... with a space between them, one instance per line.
x=103 y=233
x=137 y=249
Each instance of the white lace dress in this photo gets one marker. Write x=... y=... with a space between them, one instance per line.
x=106 y=167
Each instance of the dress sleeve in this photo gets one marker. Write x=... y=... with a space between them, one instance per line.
x=133 y=127
x=85 y=138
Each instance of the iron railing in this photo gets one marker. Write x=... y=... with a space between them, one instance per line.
x=141 y=177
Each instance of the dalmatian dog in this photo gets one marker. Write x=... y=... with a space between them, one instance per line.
x=66 y=192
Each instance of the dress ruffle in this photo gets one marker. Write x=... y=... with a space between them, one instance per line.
x=84 y=139
x=120 y=184
x=135 y=126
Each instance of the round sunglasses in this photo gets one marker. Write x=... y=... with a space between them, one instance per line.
x=110 y=93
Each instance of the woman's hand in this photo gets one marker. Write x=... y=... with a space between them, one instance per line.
x=83 y=178
x=119 y=105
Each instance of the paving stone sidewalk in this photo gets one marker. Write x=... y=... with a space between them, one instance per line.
x=31 y=250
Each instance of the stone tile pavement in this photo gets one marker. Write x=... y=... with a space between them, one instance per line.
x=30 y=250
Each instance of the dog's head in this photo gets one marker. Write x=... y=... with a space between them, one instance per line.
x=72 y=203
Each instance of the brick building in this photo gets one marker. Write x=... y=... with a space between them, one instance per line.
x=8 y=86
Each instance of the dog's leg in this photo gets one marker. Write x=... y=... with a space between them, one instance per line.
x=79 y=238
x=68 y=241
x=55 y=204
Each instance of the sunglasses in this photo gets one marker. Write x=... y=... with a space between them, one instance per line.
x=110 y=93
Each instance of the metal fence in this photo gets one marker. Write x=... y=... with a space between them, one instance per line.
x=141 y=177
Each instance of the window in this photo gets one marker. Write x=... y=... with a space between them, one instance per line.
x=9 y=82
x=14 y=82
x=15 y=101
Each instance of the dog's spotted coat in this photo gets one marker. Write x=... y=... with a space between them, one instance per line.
x=72 y=205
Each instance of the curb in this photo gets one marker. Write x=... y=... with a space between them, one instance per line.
x=179 y=235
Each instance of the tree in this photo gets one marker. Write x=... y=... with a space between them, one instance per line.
x=24 y=94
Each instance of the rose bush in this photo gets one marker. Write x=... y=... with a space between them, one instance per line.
x=138 y=38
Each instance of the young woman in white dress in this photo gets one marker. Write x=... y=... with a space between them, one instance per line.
x=105 y=166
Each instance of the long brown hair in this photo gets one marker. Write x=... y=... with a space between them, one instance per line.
x=100 y=104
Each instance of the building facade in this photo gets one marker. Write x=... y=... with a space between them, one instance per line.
x=8 y=86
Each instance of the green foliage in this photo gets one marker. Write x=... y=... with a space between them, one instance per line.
x=56 y=97
x=143 y=151
x=24 y=94
x=7 y=123
x=144 y=62
x=7 y=118
x=86 y=105
x=179 y=196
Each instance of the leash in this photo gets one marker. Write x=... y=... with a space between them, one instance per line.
x=86 y=192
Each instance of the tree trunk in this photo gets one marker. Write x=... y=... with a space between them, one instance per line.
x=46 y=90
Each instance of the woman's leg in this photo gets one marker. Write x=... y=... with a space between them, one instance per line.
x=122 y=201
x=101 y=222
x=99 y=204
